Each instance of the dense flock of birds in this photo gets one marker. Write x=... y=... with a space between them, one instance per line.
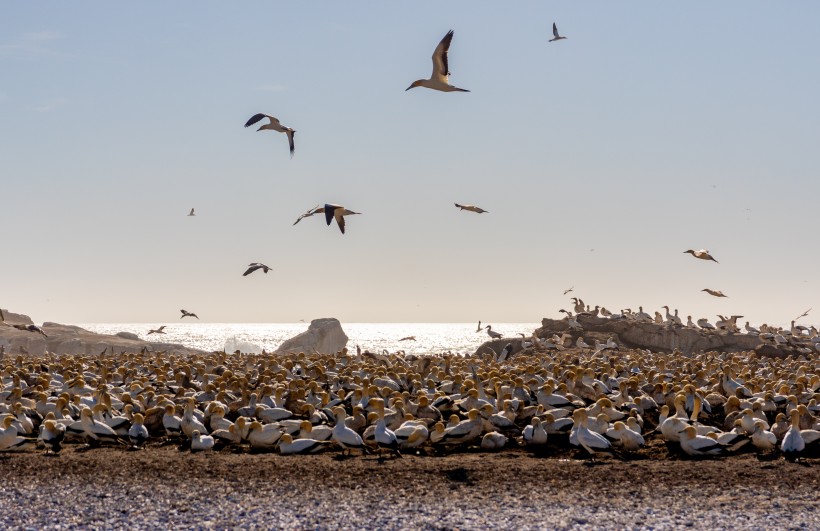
x=612 y=401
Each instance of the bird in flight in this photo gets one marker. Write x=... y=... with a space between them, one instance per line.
x=568 y=290
x=315 y=210
x=30 y=328
x=440 y=79
x=713 y=292
x=555 y=33
x=254 y=266
x=408 y=338
x=188 y=314
x=703 y=254
x=337 y=212
x=157 y=331
x=273 y=125
x=471 y=208
x=804 y=314
x=191 y=213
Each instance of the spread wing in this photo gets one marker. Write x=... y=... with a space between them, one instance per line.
x=554 y=29
x=441 y=69
x=341 y=221
x=315 y=210
x=329 y=210
x=251 y=269
x=290 y=133
x=255 y=118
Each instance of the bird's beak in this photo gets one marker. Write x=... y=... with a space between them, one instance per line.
x=408 y=88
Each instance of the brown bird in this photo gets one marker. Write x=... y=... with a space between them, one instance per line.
x=714 y=293
x=157 y=331
x=703 y=254
x=471 y=208
x=408 y=338
x=188 y=314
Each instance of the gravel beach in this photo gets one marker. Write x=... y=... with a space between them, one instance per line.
x=163 y=488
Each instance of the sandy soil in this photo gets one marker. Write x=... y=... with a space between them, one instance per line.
x=163 y=488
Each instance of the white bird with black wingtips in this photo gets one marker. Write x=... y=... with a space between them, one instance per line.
x=440 y=79
x=273 y=125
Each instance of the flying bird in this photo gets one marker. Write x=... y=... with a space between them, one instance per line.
x=254 y=266
x=440 y=79
x=714 y=293
x=568 y=290
x=30 y=328
x=471 y=208
x=479 y=328
x=555 y=33
x=157 y=331
x=703 y=254
x=338 y=212
x=191 y=213
x=408 y=338
x=315 y=210
x=274 y=125
x=804 y=314
x=188 y=314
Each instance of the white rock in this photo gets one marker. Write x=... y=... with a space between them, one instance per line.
x=324 y=336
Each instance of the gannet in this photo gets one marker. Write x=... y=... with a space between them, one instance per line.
x=384 y=436
x=338 y=213
x=592 y=442
x=713 y=292
x=627 y=439
x=440 y=78
x=138 y=433
x=289 y=446
x=411 y=434
x=189 y=421
x=705 y=324
x=751 y=329
x=263 y=437
x=93 y=430
x=343 y=435
x=698 y=445
x=556 y=37
x=201 y=442
x=762 y=438
x=493 y=441
x=192 y=213
x=254 y=266
x=171 y=422
x=793 y=442
x=534 y=434
x=273 y=125
x=472 y=208
x=494 y=335
x=804 y=314
x=10 y=441
x=408 y=338
x=479 y=328
x=30 y=328
x=703 y=254
x=465 y=431
x=188 y=314
x=157 y=331
x=569 y=290
x=52 y=434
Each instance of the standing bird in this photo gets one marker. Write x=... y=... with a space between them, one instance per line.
x=703 y=254
x=191 y=213
x=494 y=335
x=471 y=208
x=274 y=125
x=52 y=434
x=188 y=314
x=440 y=79
x=254 y=266
x=157 y=330
x=555 y=33
x=714 y=293
x=338 y=212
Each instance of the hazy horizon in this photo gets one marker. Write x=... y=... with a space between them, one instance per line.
x=652 y=129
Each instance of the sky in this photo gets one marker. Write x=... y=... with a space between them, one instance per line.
x=654 y=128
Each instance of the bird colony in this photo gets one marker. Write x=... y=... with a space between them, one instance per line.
x=568 y=401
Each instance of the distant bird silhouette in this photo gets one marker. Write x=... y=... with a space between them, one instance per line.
x=714 y=293
x=703 y=254
x=273 y=125
x=479 y=328
x=471 y=208
x=30 y=328
x=315 y=210
x=804 y=314
x=338 y=213
x=192 y=213
x=408 y=338
x=555 y=33
x=440 y=79
x=568 y=290
x=254 y=266
x=157 y=331
x=188 y=314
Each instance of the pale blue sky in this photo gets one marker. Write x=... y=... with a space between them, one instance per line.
x=650 y=130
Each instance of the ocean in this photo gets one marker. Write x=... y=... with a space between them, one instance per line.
x=431 y=338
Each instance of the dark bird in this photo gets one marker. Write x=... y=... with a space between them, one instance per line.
x=254 y=266
x=188 y=314
x=555 y=33
x=274 y=125
x=479 y=328
x=471 y=208
x=804 y=314
x=192 y=213
x=30 y=328
x=568 y=290
x=714 y=292
x=408 y=338
x=703 y=254
x=338 y=213
x=157 y=331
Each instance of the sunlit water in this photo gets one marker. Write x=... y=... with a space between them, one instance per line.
x=431 y=338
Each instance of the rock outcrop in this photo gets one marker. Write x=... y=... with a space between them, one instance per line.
x=324 y=336
x=72 y=340
x=655 y=337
